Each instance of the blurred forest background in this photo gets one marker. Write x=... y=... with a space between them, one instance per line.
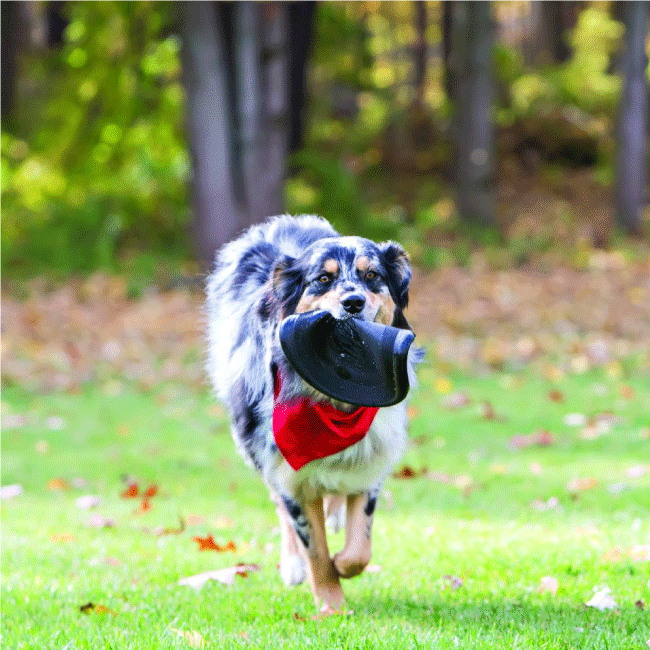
x=502 y=134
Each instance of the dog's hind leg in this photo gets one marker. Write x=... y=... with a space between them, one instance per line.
x=334 y=505
x=355 y=554
x=292 y=564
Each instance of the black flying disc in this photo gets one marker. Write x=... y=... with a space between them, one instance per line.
x=350 y=360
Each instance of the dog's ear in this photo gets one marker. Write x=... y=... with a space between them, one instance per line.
x=287 y=283
x=398 y=273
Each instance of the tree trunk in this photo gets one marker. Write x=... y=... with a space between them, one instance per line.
x=216 y=215
x=12 y=26
x=236 y=75
x=632 y=119
x=420 y=48
x=472 y=49
x=558 y=16
x=447 y=50
x=301 y=16
x=275 y=90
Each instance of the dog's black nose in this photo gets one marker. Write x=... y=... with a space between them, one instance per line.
x=354 y=303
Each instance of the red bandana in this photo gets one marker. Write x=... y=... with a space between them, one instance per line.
x=305 y=430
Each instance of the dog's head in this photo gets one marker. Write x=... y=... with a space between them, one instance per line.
x=348 y=277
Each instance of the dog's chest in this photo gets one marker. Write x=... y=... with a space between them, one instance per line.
x=358 y=467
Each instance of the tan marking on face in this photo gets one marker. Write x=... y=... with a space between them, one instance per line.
x=362 y=264
x=383 y=305
x=329 y=301
x=331 y=266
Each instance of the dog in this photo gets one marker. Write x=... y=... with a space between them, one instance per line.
x=292 y=265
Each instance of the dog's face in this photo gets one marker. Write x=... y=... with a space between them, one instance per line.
x=348 y=277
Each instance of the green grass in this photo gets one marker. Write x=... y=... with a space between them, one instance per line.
x=425 y=531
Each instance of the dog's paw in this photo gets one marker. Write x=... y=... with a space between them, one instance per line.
x=336 y=520
x=292 y=569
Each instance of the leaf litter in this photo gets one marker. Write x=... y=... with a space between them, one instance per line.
x=88 y=331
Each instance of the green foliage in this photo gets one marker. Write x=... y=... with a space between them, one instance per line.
x=326 y=188
x=98 y=156
x=584 y=81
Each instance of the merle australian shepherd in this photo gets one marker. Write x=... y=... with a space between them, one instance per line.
x=287 y=266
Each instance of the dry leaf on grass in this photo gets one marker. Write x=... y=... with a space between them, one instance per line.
x=639 y=553
x=191 y=637
x=145 y=505
x=11 y=491
x=602 y=600
x=208 y=544
x=131 y=492
x=452 y=582
x=556 y=396
x=456 y=401
x=63 y=538
x=408 y=472
x=225 y=576
x=58 y=484
x=87 y=501
x=171 y=531
x=151 y=491
x=637 y=471
x=548 y=584
x=575 y=419
x=541 y=438
x=97 y=521
x=543 y=506
x=90 y=608
x=581 y=484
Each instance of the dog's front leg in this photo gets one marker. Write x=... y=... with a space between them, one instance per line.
x=308 y=520
x=355 y=554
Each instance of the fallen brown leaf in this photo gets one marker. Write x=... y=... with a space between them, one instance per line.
x=548 y=584
x=556 y=396
x=612 y=555
x=145 y=505
x=452 y=582
x=487 y=411
x=639 y=553
x=87 y=501
x=97 y=521
x=131 y=492
x=541 y=438
x=58 y=484
x=626 y=392
x=208 y=544
x=581 y=484
x=11 y=491
x=191 y=637
x=151 y=491
x=408 y=472
x=225 y=576
x=191 y=520
x=542 y=506
x=456 y=401
x=89 y=608
x=172 y=531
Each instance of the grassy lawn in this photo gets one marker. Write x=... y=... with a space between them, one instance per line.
x=460 y=549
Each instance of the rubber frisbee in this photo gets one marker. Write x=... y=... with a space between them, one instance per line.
x=350 y=360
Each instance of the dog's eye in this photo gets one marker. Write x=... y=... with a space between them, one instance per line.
x=370 y=275
x=324 y=278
